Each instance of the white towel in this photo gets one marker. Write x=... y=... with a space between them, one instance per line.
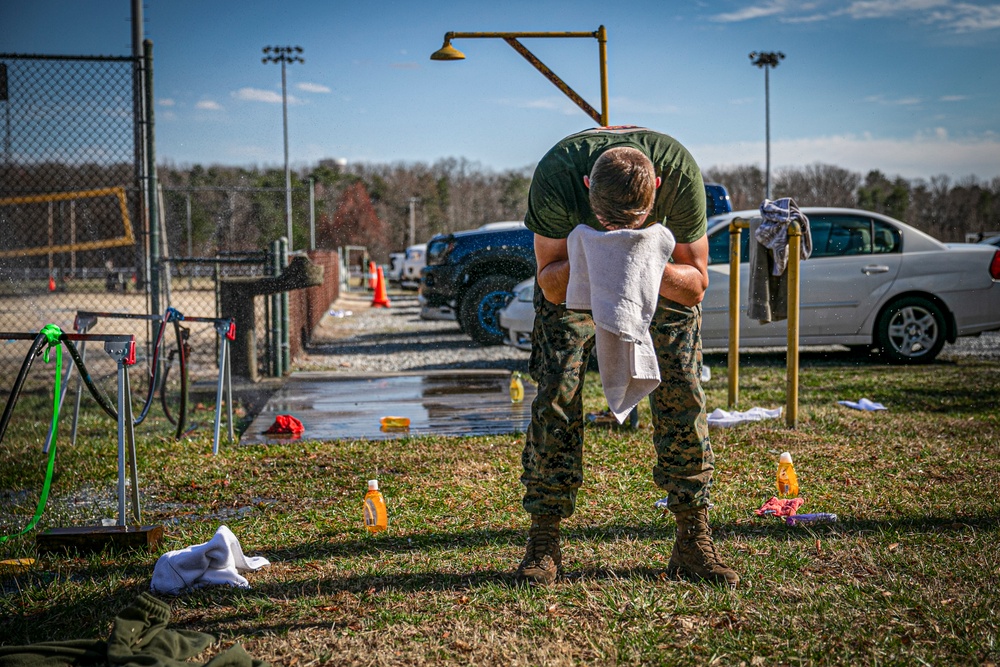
x=864 y=404
x=218 y=561
x=720 y=418
x=616 y=275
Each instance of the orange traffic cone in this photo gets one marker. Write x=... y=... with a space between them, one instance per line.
x=372 y=277
x=52 y=284
x=381 y=299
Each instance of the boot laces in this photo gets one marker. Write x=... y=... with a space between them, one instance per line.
x=541 y=543
x=701 y=535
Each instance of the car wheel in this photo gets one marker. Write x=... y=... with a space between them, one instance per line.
x=481 y=306
x=911 y=330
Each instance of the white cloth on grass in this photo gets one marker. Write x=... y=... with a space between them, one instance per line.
x=723 y=418
x=616 y=275
x=864 y=404
x=218 y=561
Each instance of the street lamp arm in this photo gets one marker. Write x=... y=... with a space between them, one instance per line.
x=448 y=52
x=554 y=78
x=515 y=35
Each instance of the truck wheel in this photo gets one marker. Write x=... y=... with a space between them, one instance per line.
x=911 y=331
x=479 y=312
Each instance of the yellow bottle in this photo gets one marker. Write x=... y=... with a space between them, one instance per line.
x=788 y=483
x=376 y=517
x=516 y=388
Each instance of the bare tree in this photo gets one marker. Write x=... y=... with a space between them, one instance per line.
x=818 y=185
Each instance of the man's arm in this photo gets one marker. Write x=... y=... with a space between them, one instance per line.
x=552 y=259
x=686 y=278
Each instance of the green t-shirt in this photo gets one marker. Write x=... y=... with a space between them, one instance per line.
x=558 y=200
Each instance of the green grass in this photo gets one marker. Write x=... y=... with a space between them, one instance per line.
x=909 y=575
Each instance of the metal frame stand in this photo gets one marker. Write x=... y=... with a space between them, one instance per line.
x=83 y=322
x=226 y=328
x=124 y=355
x=122 y=350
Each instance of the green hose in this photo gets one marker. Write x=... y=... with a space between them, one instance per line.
x=52 y=334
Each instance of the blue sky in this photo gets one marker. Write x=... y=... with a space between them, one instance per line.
x=904 y=86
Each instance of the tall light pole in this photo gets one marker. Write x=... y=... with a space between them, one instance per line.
x=449 y=52
x=284 y=55
x=766 y=60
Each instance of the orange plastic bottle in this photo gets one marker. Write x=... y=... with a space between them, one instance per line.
x=376 y=516
x=788 y=483
x=516 y=388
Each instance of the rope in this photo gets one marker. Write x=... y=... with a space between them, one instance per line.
x=49 y=336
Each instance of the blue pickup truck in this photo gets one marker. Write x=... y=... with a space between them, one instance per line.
x=471 y=275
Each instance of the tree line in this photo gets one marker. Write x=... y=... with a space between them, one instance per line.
x=375 y=205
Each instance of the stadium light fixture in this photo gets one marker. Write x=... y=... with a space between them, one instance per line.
x=767 y=60
x=449 y=52
x=286 y=55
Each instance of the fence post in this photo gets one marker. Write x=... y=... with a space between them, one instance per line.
x=312 y=213
x=152 y=210
x=286 y=319
x=275 y=337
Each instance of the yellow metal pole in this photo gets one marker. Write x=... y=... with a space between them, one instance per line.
x=735 y=242
x=792 y=370
x=602 y=44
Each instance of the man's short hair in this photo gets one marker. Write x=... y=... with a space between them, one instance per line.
x=622 y=187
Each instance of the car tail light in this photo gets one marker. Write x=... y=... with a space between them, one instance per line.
x=995 y=266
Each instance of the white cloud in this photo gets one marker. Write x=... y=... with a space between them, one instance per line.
x=902 y=101
x=965 y=17
x=877 y=9
x=166 y=102
x=559 y=104
x=410 y=65
x=926 y=154
x=954 y=98
x=258 y=95
x=208 y=105
x=313 y=88
x=749 y=13
x=958 y=17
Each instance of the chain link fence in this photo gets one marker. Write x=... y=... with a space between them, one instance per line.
x=71 y=204
x=74 y=230
x=211 y=235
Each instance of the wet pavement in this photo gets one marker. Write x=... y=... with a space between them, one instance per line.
x=335 y=405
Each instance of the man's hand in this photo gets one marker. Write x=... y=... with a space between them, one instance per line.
x=552 y=259
x=686 y=278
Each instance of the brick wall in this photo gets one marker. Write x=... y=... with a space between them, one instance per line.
x=307 y=306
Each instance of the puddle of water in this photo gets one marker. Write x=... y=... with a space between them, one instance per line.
x=334 y=407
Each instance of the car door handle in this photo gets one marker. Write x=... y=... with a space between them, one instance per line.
x=874 y=268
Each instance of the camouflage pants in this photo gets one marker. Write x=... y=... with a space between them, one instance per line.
x=552 y=461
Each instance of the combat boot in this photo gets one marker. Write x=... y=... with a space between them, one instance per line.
x=694 y=556
x=542 y=558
